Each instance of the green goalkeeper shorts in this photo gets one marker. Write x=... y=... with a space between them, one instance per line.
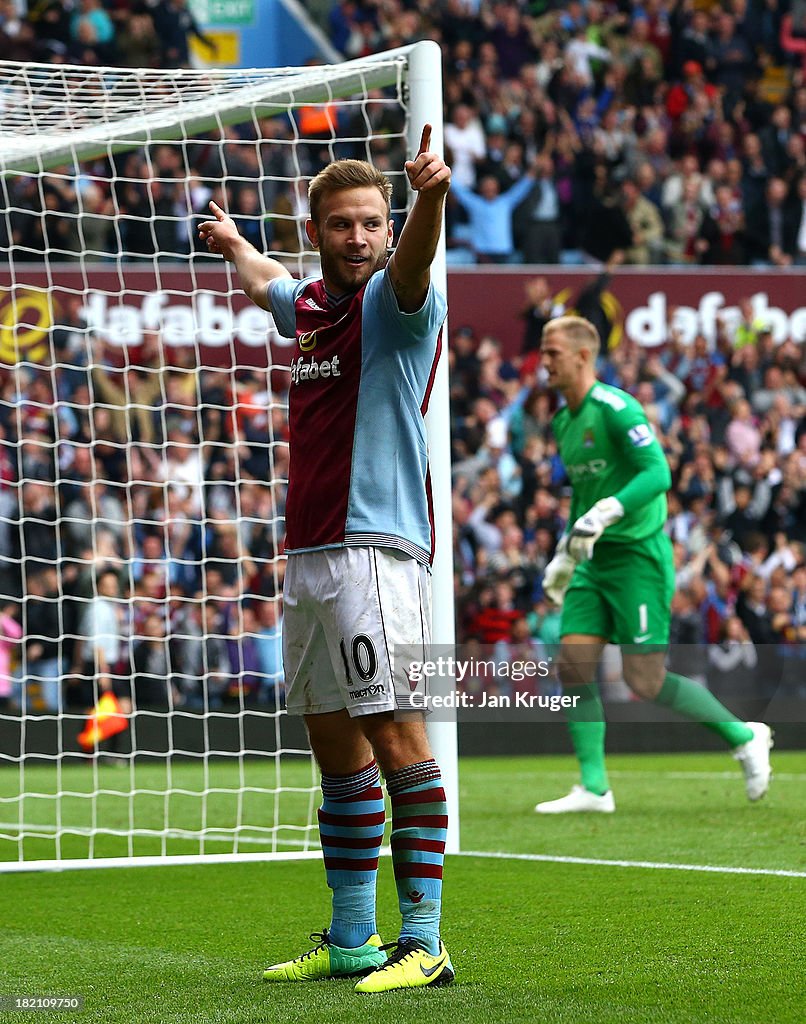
x=624 y=593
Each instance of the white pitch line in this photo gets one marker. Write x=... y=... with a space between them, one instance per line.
x=42 y=831
x=623 y=773
x=714 y=869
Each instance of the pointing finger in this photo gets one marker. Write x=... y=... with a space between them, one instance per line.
x=217 y=211
x=425 y=140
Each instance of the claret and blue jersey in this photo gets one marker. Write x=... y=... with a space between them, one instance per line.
x=361 y=378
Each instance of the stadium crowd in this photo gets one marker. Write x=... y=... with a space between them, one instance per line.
x=671 y=131
x=138 y=521
x=732 y=422
x=140 y=528
x=616 y=132
x=125 y=33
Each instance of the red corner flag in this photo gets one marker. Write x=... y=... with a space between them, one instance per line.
x=103 y=721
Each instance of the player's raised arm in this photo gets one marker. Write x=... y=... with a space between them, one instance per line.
x=410 y=266
x=254 y=269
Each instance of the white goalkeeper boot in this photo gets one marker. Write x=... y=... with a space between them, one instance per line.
x=754 y=757
x=579 y=801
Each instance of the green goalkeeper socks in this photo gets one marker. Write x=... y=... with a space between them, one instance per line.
x=587 y=728
x=693 y=701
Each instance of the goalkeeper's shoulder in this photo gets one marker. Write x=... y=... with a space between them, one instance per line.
x=625 y=419
x=615 y=403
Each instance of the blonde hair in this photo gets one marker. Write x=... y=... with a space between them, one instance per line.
x=344 y=174
x=579 y=333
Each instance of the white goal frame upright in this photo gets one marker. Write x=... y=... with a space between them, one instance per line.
x=167 y=106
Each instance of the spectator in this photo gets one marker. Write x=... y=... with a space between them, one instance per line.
x=511 y=40
x=251 y=219
x=174 y=24
x=685 y=220
x=494 y=619
x=99 y=653
x=92 y=28
x=743 y=436
x=732 y=662
x=749 y=327
x=464 y=138
x=730 y=58
x=687 y=653
x=139 y=46
x=43 y=662
x=182 y=471
x=772 y=226
x=694 y=43
x=543 y=233
x=645 y=224
x=269 y=648
x=721 y=239
x=95 y=504
x=10 y=636
x=153 y=687
x=538 y=309
x=130 y=396
x=40 y=545
x=775 y=138
x=490 y=214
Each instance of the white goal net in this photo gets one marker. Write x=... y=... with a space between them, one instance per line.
x=143 y=448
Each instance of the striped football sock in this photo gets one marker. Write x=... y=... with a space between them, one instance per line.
x=351 y=821
x=419 y=829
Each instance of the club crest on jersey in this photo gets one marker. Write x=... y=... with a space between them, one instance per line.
x=307 y=341
x=587 y=438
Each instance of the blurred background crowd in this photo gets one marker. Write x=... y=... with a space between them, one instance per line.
x=607 y=132
x=670 y=131
x=732 y=421
x=138 y=523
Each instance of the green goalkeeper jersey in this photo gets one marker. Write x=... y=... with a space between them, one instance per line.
x=609 y=450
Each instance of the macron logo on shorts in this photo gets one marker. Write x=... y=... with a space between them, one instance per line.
x=375 y=690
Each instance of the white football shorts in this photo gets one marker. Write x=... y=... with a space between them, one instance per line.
x=346 y=612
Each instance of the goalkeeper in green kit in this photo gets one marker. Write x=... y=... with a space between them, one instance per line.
x=613 y=572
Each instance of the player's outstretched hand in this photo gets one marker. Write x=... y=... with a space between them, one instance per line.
x=590 y=527
x=558 y=574
x=219 y=234
x=427 y=172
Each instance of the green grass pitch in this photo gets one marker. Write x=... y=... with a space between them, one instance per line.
x=532 y=941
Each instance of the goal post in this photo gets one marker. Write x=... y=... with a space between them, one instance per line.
x=425 y=91
x=53 y=114
x=142 y=437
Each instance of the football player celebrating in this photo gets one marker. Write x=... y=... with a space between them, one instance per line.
x=359 y=545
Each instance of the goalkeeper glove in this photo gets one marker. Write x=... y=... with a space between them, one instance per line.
x=558 y=573
x=590 y=527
